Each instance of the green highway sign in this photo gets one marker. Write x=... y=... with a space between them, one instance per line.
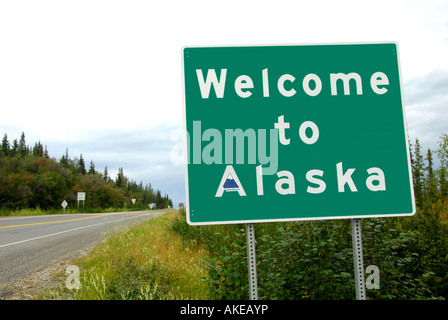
x=295 y=132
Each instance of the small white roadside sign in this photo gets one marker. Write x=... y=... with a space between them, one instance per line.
x=64 y=205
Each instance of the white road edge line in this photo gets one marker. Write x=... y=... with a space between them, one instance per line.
x=65 y=231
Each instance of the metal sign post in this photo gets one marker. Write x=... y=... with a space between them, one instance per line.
x=358 y=262
x=251 y=261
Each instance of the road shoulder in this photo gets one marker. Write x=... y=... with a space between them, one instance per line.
x=40 y=284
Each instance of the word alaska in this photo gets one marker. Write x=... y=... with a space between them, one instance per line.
x=286 y=182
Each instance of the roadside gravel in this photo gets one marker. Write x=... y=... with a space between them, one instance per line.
x=42 y=284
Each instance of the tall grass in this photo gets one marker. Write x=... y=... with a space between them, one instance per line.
x=147 y=261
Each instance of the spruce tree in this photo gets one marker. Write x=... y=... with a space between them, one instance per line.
x=120 y=181
x=81 y=165
x=38 y=149
x=14 y=148
x=430 y=182
x=22 y=145
x=443 y=182
x=92 y=168
x=64 y=159
x=442 y=154
x=417 y=172
x=5 y=146
x=443 y=149
x=159 y=200
x=106 y=174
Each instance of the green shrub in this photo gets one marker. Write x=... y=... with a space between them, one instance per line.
x=314 y=259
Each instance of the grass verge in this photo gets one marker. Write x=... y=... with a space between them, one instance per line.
x=147 y=261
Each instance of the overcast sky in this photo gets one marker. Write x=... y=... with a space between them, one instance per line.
x=103 y=78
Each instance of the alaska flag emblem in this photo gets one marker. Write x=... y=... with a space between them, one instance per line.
x=230 y=184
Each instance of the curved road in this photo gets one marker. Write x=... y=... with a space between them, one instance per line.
x=31 y=243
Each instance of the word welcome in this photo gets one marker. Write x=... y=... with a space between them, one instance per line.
x=244 y=84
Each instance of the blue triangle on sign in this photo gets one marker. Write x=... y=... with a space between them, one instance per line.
x=230 y=183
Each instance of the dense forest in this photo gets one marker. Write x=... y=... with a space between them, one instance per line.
x=30 y=178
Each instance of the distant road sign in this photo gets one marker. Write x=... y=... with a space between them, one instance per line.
x=81 y=196
x=64 y=204
x=296 y=132
x=133 y=201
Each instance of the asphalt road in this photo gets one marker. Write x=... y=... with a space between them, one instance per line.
x=31 y=243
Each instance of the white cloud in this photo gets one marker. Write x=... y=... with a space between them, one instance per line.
x=426 y=101
x=94 y=73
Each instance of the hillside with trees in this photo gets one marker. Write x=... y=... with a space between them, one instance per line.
x=30 y=178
